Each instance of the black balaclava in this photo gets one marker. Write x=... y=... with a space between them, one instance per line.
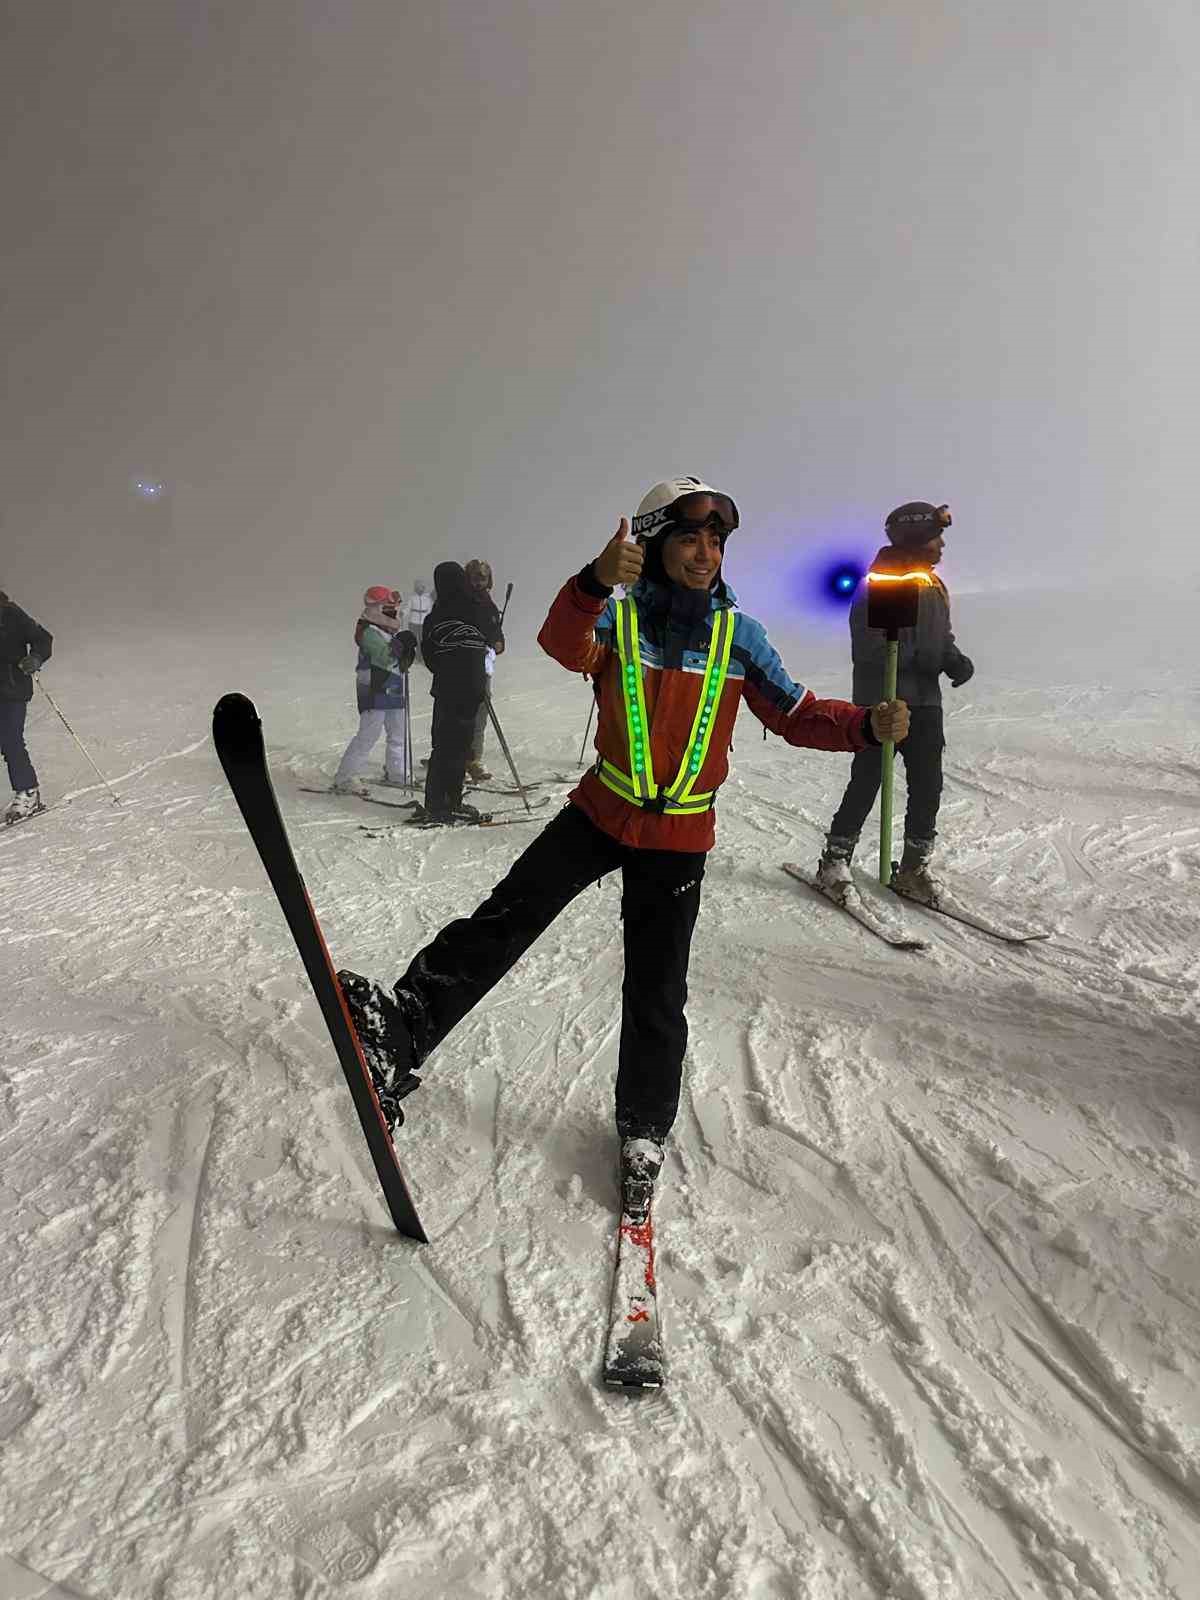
x=450 y=586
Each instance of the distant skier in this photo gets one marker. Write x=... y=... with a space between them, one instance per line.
x=916 y=532
x=24 y=649
x=672 y=665
x=386 y=650
x=419 y=606
x=479 y=576
x=458 y=634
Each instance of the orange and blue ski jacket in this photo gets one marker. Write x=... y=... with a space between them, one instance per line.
x=695 y=671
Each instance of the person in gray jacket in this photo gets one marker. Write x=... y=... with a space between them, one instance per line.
x=916 y=532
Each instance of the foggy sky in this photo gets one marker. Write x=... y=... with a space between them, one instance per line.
x=369 y=285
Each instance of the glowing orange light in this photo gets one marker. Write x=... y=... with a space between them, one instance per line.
x=900 y=577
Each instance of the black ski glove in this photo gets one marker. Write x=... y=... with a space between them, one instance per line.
x=30 y=664
x=961 y=671
x=403 y=648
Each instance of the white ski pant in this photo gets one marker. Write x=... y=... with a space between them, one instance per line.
x=370 y=725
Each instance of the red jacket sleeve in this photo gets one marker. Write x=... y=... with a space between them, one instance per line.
x=813 y=724
x=569 y=631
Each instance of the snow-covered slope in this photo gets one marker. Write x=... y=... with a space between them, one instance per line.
x=929 y=1229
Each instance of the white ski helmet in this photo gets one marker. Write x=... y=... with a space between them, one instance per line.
x=666 y=505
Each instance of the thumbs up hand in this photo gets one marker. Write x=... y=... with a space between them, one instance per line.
x=619 y=561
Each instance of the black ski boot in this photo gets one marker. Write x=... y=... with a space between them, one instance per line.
x=464 y=813
x=641 y=1163
x=912 y=878
x=386 y=1037
x=833 y=869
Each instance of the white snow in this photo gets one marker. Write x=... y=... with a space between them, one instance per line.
x=928 y=1234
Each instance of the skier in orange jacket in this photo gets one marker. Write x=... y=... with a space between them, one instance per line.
x=671 y=663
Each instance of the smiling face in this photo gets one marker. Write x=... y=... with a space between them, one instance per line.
x=691 y=554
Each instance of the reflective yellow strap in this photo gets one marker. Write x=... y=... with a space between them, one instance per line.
x=715 y=672
x=615 y=779
x=619 y=783
x=637 y=724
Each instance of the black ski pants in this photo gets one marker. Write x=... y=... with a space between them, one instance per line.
x=453 y=731
x=12 y=745
x=659 y=903
x=921 y=753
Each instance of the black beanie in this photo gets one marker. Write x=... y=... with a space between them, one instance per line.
x=916 y=523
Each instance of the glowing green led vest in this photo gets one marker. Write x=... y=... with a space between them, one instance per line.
x=638 y=785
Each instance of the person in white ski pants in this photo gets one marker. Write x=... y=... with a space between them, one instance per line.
x=385 y=653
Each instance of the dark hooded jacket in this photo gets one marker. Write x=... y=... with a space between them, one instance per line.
x=926 y=651
x=458 y=631
x=20 y=636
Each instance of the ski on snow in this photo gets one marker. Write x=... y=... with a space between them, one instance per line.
x=510 y=789
x=237 y=734
x=981 y=914
x=487 y=819
x=978 y=913
x=854 y=903
x=633 y=1356
x=15 y=822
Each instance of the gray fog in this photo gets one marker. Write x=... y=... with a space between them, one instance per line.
x=367 y=285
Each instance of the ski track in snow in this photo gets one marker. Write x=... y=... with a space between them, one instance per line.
x=929 y=1231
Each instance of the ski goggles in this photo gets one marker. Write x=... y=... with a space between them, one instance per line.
x=689 y=514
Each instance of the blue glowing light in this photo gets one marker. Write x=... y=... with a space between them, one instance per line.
x=148 y=488
x=841 y=580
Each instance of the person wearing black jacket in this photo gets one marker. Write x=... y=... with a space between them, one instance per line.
x=479 y=577
x=457 y=633
x=24 y=647
x=916 y=532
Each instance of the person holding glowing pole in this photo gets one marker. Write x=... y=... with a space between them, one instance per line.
x=904 y=600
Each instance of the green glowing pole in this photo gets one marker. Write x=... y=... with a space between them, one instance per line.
x=889 y=764
x=893 y=602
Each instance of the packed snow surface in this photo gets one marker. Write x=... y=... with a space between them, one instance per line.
x=928 y=1232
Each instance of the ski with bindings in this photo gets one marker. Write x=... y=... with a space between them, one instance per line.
x=979 y=913
x=489 y=819
x=238 y=736
x=854 y=903
x=410 y=805
x=28 y=816
x=507 y=789
x=633 y=1356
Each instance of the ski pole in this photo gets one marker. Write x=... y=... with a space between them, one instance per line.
x=587 y=730
x=512 y=767
x=507 y=597
x=893 y=602
x=409 y=778
x=75 y=736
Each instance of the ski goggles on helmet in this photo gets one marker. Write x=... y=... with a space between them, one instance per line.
x=691 y=513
